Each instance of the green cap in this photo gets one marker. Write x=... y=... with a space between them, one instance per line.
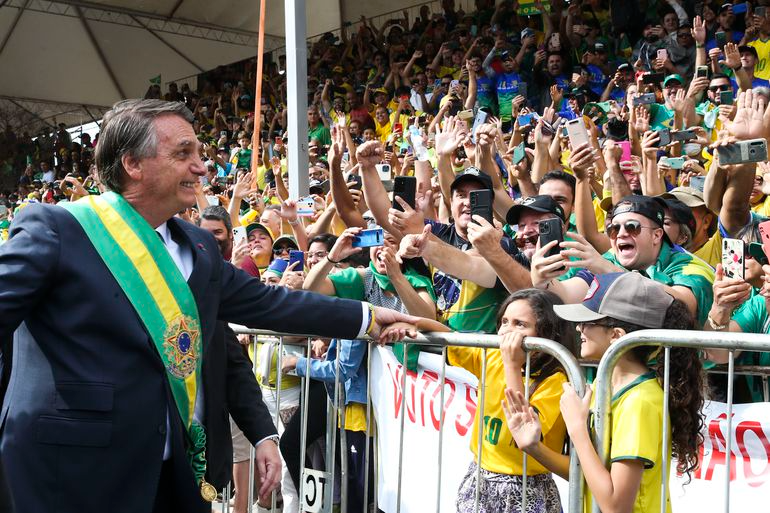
x=674 y=76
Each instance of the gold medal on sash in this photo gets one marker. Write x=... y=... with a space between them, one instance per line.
x=208 y=492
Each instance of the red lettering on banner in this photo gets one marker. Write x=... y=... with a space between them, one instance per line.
x=411 y=378
x=470 y=407
x=719 y=446
x=447 y=401
x=397 y=394
x=740 y=433
x=428 y=377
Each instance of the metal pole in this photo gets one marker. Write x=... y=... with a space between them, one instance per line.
x=335 y=415
x=442 y=382
x=343 y=445
x=729 y=434
x=252 y=450
x=296 y=96
x=279 y=374
x=665 y=450
x=401 y=437
x=303 y=422
x=527 y=370
x=367 y=447
x=480 y=431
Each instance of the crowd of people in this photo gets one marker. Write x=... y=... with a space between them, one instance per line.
x=634 y=132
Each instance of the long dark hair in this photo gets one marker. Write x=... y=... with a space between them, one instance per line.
x=685 y=385
x=547 y=325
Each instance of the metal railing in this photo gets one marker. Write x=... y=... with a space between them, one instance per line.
x=668 y=339
x=337 y=408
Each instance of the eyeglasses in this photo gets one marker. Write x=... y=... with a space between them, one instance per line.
x=717 y=88
x=317 y=254
x=282 y=249
x=633 y=228
x=581 y=326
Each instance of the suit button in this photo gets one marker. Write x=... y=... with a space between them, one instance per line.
x=162 y=429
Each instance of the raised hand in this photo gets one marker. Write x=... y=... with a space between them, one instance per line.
x=413 y=246
x=699 y=30
x=450 y=138
x=748 y=116
x=370 y=153
x=523 y=422
x=582 y=159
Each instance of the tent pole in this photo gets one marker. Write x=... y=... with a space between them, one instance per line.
x=255 y=137
x=296 y=96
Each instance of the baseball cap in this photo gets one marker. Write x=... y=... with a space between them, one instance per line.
x=506 y=55
x=541 y=203
x=749 y=49
x=680 y=213
x=628 y=297
x=380 y=90
x=724 y=7
x=258 y=226
x=653 y=208
x=693 y=198
x=626 y=67
x=277 y=267
x=600 y=47
x=472 y=173
x=673 y=76
x=338 y=69
x=286 y=238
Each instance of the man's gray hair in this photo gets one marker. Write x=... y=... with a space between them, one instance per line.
x=128 y=129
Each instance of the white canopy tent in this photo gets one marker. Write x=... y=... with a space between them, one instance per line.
x=71 y=59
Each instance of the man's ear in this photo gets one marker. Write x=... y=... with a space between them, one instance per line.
x=132 y=166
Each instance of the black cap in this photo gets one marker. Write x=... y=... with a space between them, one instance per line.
x=473 y=174
x=542 y=203
x=681 y=213
x=749 y=49
x=506 y=55
x=653 y=208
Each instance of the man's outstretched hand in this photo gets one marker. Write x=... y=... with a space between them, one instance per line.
x=384 y=318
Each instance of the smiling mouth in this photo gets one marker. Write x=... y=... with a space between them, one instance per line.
x=625 y=248
x=191 y=185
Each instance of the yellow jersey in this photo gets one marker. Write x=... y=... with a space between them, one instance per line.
x=499 y=451
x=762 y=67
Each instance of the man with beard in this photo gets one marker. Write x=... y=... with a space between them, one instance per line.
x=552 y=74
x=646 y=49
x=481 y=88
x=616 y=87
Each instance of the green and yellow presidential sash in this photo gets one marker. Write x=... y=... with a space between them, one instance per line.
x=139 y=261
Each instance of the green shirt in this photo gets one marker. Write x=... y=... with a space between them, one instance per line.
x=675 y=266
x=320 y=133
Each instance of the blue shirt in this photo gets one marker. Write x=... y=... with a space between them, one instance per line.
x=597 y=80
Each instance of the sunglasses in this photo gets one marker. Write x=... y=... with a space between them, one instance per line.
x=282 y=249
x=633 y=228
x=715 y=89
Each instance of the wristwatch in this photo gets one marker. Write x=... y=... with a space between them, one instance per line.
x=273 y=438
x=714 y=325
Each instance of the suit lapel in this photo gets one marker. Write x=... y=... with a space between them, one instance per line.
x=202 y=260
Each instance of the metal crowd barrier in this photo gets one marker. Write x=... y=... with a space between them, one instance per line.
x=668 y=339
x=337 y=410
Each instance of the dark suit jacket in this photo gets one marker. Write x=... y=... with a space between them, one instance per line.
x=84 y=417
x=230 y=388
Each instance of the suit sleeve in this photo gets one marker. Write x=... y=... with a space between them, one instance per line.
x=246 y=300
x=244 y=397
x=27 y=263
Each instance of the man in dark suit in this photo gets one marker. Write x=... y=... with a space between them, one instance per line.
x=89 y=420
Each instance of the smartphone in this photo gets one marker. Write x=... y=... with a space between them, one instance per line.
x=297 y=256
x=404 y=187
x=239 y=234
x=398 y=127
x=739 y=8
x=663 y=54
x=223 y=133
x=519 y=153
x=481 y=203
x=764 y=232
x=702 y=72
x=465 y=115
x=368 y=238
x=760 y=11
x=481 y=118
x=212 y=200
x=673 y=162
x=652 y=78
x=453 y=84
x=733 y=262
x=352 y=178
x=698 y=182
x=755 y=251
x=383 y=170
x=576 y=130
x=644 y=99
x=523 y=89
x=721 y=38
x=726 y=97
x=527 y=119
x=305 y=206
x=753 y=150
x=664 y=137
x=625 y=147
x=683 y=135
x=550 y=229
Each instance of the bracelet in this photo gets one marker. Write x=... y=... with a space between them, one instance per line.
x=698 y=45
x=295 y=223
x=332 y=261
x=714 y=325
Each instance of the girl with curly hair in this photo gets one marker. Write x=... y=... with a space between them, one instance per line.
x=617 y=304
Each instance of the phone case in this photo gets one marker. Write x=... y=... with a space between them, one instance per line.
x=733 y=262
x=576 y=130
x=404 y=187
x=297 y=256
x=754 y=150
x=481 y=204
x=550 y=229
x=764 y=231
x=305 y=207
x=368 y=238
